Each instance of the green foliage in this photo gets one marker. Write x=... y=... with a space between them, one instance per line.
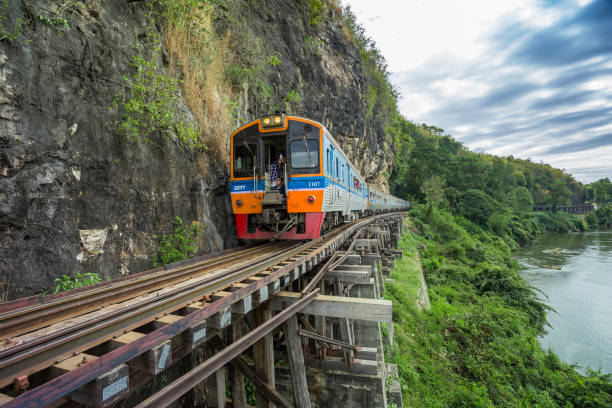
x=178 y=245
x=58 y=22
x=559 y=194
x=174 y=10
x=294 y=95
x=316 y=10
x=8 y=31
x=477 y=346
x=274 y=60
x=313 y=45
x=251 y=392
x=79 y=280
x=520 y=200
x=149 y=105
x=599 y=191
x=433 y=188
x=477 y=206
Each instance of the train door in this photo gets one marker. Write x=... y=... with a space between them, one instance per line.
x=274 y=157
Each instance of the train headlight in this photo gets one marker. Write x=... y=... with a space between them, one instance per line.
x=311 y=199
x=238 y=203
x=272 y=121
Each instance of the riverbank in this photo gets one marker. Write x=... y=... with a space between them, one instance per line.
x=477 y=345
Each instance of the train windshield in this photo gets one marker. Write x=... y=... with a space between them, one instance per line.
x=245 y=157
x=305 y=153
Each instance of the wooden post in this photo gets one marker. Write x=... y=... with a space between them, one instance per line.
x=215 y=386
x=236 y=377
x=263 y=351
x=295 y=356
x=345 y=328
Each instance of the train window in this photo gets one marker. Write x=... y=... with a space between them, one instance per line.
x=328 y=161
x=343 y=172
x=244 y=159
x=337 y=168
x=305 y=153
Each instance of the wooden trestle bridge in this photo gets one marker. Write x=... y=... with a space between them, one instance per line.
x=315 y=306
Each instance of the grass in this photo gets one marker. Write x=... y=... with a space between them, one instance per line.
x=406 y=270
x=197 y=55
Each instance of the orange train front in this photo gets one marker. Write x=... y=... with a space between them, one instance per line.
x=291 y=180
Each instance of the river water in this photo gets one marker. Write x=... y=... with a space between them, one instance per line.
x=580 y=291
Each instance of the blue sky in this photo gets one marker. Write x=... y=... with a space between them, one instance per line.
x=528 y=78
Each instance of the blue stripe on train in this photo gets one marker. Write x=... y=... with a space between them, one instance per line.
x=298 y=183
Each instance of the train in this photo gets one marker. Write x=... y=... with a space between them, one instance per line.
x=290 y=180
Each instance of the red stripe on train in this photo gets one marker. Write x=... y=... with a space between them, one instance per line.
x=313 y=229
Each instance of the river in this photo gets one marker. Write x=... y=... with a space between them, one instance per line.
x=580 y=292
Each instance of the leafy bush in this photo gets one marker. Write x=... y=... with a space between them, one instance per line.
x=477 y=206
x=178 y=245
x=149 y=105
x=79 y=280
x=316 y=10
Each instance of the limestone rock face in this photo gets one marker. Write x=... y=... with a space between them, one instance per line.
x=76 y=196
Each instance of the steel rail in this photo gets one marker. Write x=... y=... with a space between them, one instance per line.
x=177 y=388
x=325 y=339
x=19 y=347
x=36 y=300
x=331 y=263
x=33 y=356
x=30 y=318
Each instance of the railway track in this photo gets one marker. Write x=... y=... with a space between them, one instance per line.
x=37 y=335
x=126 y=305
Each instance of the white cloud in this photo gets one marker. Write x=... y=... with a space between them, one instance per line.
x=499 y=76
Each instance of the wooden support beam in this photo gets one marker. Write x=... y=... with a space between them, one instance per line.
x=236 y=377
x=262 y=294
x=215 y=385
x=103 y=391
x=345 y=328
x=263 y=352
x=259 y=384
x=152 y=361
x=362 y=244
x=367 y=353
x=187 y=340
x=348 y=276
x=336 y=363
x=295 y=355
x=347 y=267
x=220 y=320
x=243 y=306
x=193 y=307
x=376 y=310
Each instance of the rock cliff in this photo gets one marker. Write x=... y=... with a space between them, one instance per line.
x=76 y=195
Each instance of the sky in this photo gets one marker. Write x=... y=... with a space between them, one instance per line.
x=527 y=78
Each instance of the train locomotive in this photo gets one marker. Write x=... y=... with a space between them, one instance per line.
x=290 y=180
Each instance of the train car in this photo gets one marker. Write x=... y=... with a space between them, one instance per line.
x=291 y=180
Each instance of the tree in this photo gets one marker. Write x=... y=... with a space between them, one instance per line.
x=520 y=200
x=433 y=188
x=478 y=206
x=559 y=194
